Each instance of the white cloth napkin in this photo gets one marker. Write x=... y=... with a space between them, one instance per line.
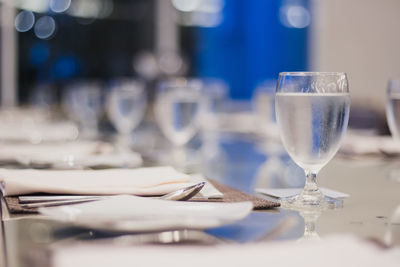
x=140 y=181
x=131 y=213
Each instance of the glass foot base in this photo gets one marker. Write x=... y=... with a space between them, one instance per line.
x=300 y=202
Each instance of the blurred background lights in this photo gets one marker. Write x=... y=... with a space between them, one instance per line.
x=211 y=6
x=39 y=53
x=91 y=8
x=186 y=5
x=45 y=27
x=202 y=13
x=24 y=21
x=39 y=6
x=59 y=6
x=295 y=16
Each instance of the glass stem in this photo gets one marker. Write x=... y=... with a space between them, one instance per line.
x=311 y=194
x=311 y=181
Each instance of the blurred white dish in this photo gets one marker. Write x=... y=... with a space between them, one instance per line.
x=140 y=214
x=78 y=154
x=31 y=131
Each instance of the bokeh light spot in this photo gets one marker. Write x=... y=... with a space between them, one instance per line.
x=24 y=21
x=39 y=53
x=45 y=27
x=59 y=6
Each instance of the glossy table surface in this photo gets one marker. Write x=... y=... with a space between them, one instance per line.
x=367 y=213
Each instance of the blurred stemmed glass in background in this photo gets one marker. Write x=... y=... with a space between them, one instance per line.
x=393 y=118
x=215 y=93
x=392 y=235
x=126 y=105
x=43 y=99
x=264 y=107
x=177 y=108
x=83 y=102
x=271 y=172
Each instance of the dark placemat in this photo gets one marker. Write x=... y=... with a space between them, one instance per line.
x=233 y=195
x=230 y=195
x=14 y=207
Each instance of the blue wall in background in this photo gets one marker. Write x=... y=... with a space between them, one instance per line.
x=251 y=45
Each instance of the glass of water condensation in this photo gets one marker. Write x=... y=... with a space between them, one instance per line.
x=126 y=105
x=177 y=108
x=312 y=112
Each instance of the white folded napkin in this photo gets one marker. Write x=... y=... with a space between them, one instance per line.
x=140 y=181
x=131 y=213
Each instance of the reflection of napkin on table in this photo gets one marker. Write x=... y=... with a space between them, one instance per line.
x=141 y=181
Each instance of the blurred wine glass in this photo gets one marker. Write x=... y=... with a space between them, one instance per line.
x=83 y=102
x=126 y=105
x=393 y=117
x=393 y=108
x=177 y=108
x=215 y=93
x=264 y=106
x=42 y=99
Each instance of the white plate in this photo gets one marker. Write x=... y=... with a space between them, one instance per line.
x=68 y=155
x=139 y=214
x=70 y=161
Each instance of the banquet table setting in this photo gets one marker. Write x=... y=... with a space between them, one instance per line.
x=199 y=133
x=77 y=200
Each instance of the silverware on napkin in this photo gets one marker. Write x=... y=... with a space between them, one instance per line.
x=57 y=200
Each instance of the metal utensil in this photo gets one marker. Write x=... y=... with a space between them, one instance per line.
x=48 y=201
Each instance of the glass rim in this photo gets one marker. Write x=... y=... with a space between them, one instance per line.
x=310 y=73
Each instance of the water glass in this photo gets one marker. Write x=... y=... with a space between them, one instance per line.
x=83 y=102
x=312 y=112
x=126 y=105
x=177 y=108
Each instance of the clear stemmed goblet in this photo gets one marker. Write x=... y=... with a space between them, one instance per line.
x=312 y=112
x=83 y=102
x=177 y=109
x=393 y=117
x=126 y=105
